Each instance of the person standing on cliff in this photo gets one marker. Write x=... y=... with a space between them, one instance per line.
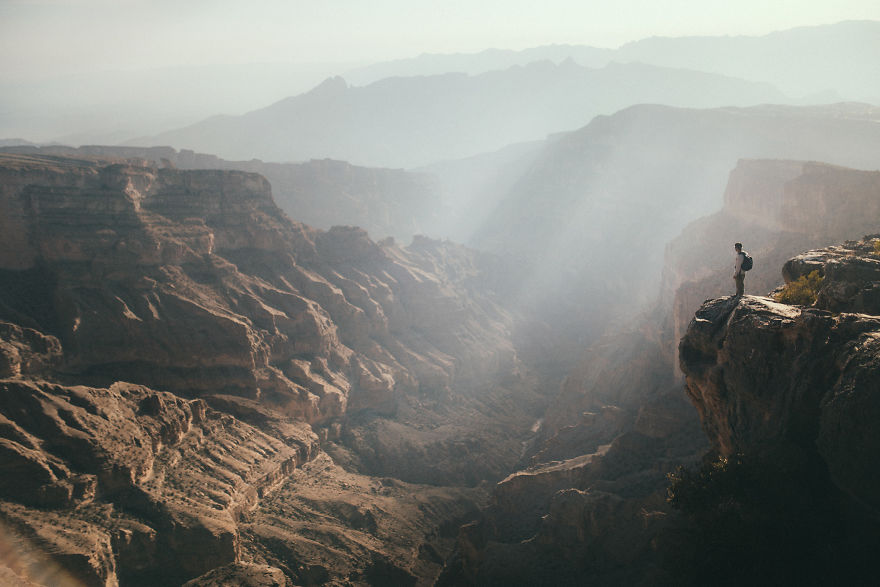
x=739 y=276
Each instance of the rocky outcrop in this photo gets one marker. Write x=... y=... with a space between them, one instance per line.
x=777 y=209
x=25 y=351
x=762 y=373
x=141 y=487
x=787 y=396
x=184 y=472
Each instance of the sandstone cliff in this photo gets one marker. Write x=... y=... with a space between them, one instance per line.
x=195 y=281
x=176 y=353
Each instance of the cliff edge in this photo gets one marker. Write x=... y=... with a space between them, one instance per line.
x=788 y=396
x=761 y=372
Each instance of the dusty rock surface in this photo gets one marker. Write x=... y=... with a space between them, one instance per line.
x=326 y=525
x=173 y=353
x=243 y=574
x=127 y=479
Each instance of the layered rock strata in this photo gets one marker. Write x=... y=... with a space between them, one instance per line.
x=321 y=193
x=195 y=281
x=174 y=350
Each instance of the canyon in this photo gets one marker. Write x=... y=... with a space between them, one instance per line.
x=178 y=355
x=196 y=388
x=449 y=320
x=540 y=205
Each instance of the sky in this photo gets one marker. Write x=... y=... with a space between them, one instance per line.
x=43 y=38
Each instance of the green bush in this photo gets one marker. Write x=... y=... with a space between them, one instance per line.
x=877 y=246
x=802 y=291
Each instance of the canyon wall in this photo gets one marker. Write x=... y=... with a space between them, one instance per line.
x=179 y=360
x=320 y=193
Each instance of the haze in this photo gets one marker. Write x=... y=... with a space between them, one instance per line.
x=62 y=63
x=44 y=37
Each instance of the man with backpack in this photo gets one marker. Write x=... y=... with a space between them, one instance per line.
x=743 y=263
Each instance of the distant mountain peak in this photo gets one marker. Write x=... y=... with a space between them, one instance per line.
x=331 y=84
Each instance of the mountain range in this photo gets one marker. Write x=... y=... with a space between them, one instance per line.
x=818 y=64
x=826 y=62
x=413 y=121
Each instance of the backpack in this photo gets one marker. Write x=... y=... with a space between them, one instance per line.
x=747 y=261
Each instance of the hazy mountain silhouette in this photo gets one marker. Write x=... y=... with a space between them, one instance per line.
x=838 y=58
x=111 y=106
x=825 y=63
x=819 y=64
x=404 y=122
x=477 y=63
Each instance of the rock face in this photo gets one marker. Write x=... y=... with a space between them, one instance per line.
x=195 y=281
x=320 y=193
x=175 y=353
x=762 y=373
x=187 y=470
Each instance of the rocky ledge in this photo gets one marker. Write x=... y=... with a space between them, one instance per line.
x=760 y=372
